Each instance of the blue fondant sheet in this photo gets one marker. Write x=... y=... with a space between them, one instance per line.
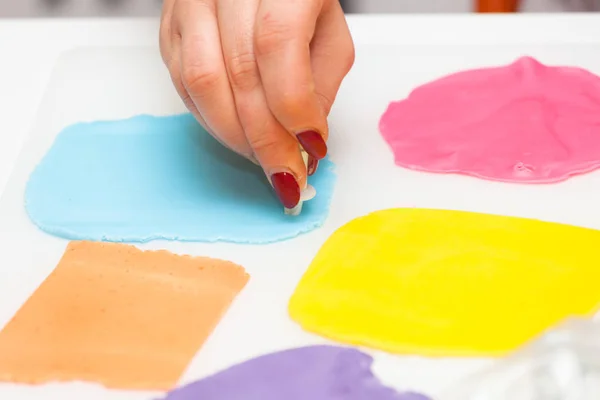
x=149 y=177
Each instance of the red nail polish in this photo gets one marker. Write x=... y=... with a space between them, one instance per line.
x=312 y=165
x=313 y=144
x=286 y=188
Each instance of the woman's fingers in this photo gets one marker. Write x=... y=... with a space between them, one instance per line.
x=282 y=36
x=276 y=150
x=170 y=50
x=174 y=65
x=245 y=69
x=332 y=54
x=332 y=57
x=203 y=73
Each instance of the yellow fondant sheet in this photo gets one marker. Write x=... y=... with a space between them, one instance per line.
x=447 y=283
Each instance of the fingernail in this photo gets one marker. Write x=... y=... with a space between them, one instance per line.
x=286 y=188
x=313 y=163
x=313 y=143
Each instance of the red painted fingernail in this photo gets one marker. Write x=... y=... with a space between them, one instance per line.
x=313 y=144
x=313 y=163
x=286 y=188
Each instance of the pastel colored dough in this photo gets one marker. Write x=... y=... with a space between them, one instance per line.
x=119 y=316
x=148 y=178
x=447 y=283
x=525 y=122
x=312 y=372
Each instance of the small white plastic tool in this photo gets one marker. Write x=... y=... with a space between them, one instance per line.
x=306 y=193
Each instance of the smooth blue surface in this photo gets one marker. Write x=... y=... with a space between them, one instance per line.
x=149 y=178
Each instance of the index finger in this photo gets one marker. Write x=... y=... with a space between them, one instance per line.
x=283 y=32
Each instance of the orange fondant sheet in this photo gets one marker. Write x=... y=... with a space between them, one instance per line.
x=113 y=314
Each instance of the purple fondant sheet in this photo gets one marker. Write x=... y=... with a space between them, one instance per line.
x=305 y=373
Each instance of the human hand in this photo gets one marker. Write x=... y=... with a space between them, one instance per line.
x=261 y=77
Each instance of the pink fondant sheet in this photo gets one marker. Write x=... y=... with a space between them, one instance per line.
x=524 y=122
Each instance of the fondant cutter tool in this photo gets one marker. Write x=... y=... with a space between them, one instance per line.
x=307 y=193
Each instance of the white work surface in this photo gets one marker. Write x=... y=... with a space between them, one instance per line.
x=394 y=54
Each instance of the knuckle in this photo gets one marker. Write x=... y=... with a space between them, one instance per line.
x=350 y=57
x=200 y=79
x=243 y=71
x=325 y=101
x=165 y=51
x=164 y=40
x=271 y=35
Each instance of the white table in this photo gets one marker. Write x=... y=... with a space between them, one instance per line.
x=28 y=50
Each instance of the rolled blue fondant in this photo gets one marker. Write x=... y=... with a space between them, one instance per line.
x=149 y=177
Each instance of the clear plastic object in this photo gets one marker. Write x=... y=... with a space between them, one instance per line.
x=563 y=364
